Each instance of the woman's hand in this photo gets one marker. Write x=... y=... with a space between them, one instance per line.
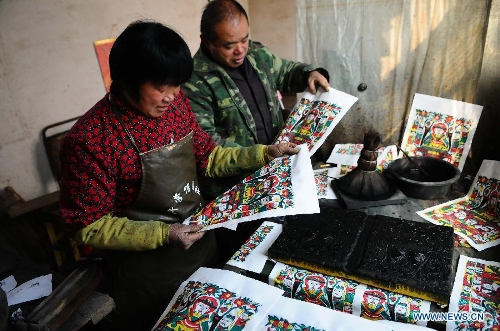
x=316 y=79
x=281 y=149
x=184 y=236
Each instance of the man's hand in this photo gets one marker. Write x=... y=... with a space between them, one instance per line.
x=183 y=235
x=281 y=149
x=316 y=79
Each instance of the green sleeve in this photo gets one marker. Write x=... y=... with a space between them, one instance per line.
x=203 y=102
x=229 y=161
x=120 y=233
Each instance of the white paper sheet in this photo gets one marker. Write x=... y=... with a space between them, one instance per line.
x=31 y=290
x=348 y=155
x=291 y=314
x=283 y=187
x=440 y=128
x=475 y=217
x=315 y=116
x=221 y=297
x=252 y=255
x=476 y=290
x=8 y=284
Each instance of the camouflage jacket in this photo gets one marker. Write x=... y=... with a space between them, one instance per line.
x=219 y=106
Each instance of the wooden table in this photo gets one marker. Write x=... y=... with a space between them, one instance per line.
x=404 y=211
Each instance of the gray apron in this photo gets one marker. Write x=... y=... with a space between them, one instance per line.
x=145 y=282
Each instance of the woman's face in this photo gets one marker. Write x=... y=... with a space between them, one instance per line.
x=155 y=100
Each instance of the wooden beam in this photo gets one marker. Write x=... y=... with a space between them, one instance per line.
x=22 y=208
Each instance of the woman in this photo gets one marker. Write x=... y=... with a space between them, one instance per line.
x=129 y=173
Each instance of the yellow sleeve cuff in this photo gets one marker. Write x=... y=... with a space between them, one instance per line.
x=229 y=161
x=121 y=233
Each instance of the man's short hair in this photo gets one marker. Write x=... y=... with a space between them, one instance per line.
x=217 y=11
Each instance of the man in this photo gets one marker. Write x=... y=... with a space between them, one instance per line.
x=233 y=89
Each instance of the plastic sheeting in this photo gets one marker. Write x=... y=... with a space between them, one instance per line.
x=397 y=48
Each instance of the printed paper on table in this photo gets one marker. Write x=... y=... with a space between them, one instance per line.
x=346 y=157
x=440 y=128
x=102 y=49
x=476 y=290
x=252 y=255
x=377 y=304
x=289 y=314
x=475 y=217
x=215 y=299
x=283 y=187
x=314 y=117
x=322 y=179
x=346 y=295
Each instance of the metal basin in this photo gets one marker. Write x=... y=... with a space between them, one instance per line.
x=414 y=183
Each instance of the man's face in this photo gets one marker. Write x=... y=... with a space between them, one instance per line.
x=155 y=100
x=231 y=46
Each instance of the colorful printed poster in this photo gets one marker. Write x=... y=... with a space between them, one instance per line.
x=440 y=128
x=326 y=291
x=476 y=290
x=252 y=255
x=475 y=217
x=289 y=314
x=214 y=299
x=283 y=187
x=346 y=157
x=102 y=49
x=346 y=295
x=377 y=304
x=322 y=179
x=314 y=117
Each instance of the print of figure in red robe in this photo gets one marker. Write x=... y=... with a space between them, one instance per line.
x=437 y=138
x=313 y=288
x=198 y=315
x=374 y=306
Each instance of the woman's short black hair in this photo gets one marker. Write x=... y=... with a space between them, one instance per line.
x=217 y=11
x=148 y=51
